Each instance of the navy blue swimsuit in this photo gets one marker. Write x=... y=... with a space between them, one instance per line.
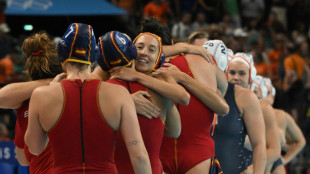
x=229 y=137
x=276 y=164
x=248 y=157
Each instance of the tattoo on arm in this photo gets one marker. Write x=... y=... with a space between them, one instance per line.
x=132 y=143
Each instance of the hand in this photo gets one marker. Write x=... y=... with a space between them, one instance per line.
x=124 y=73
x=58 y=78
x=200 y=50
x=144 y=106
x=171 y=69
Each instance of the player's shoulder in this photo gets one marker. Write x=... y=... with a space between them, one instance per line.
x=46 y=90
x=113 y=89
x=244 y=92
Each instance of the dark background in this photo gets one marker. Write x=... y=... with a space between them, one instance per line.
x=57 y=25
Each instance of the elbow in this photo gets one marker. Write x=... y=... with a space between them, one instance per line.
x=23 y=162
x=173 y=134
x=224 y=109
x=173 y=131
x=184 y=100
x=33 y=148
x=140 y=159
x=177 y=133
x=302 y=143
x=21 y=157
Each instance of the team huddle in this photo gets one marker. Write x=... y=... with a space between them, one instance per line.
x=146 y=105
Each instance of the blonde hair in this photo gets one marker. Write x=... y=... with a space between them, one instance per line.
x=41 y=57
x=197 y=35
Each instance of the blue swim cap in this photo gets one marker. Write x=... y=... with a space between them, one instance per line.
x=115 y=49
x=77 y=44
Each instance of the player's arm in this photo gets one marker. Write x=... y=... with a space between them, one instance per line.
x=21 y=157
x=172 y=91
x=254 y=122
x=182 y=47
x=20 y=144
x=130 y=130
x=296 y=141
x=13 y=95
x=272 y=135
x=173 y=122
x=36 y=137
x=221 y=81
x=208 y=97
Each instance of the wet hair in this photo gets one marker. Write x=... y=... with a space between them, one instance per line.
x=41 y=57
x=152 y=25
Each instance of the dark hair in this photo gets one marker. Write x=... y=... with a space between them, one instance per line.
x=152 y=25
x=41 y=57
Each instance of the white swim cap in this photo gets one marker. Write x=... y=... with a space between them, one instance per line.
x=260 y=84
x=230 y=54
x=247 y=59
x=218 y=50
x=269 y=84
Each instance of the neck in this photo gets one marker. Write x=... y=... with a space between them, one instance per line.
x=77 y=73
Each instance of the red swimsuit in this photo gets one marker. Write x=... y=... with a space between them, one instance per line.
x=81 y=139
x=37 y=164
x=152 y=131
x=195 y=144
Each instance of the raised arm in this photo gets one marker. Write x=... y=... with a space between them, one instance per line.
x=130 y=130
x=36 y=137
x=172 y=91
x=13 y=95
x=213 y=100
x=272 y=135
x=254 y=122
x=182 y=47
x=296 y=140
